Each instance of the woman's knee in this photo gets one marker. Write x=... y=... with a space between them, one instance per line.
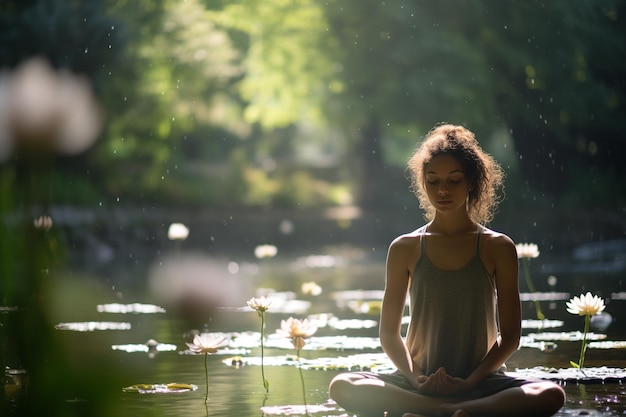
x=554 y=397
x=338 y=385
x=341 y=387
x=551 y=397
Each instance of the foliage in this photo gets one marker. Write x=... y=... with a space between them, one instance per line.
x=288 y=67
x=556 y=94
x=202 y=95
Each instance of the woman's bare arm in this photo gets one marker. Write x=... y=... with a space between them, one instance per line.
x=503 y=256
x=400 y=257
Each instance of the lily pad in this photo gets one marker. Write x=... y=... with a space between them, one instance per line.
x=542 y=324
x=329 y=320
x=145 y=347
x=565 y=336
x=248 y=340
x=283 y=302
x=372 y=362
x=90 y=326
x=296 y=410
x=173 y=387
x=608 y=344
x=543 y=345
x=544 y=296
x=325 y=342
x=598 y=375
x=129 y=308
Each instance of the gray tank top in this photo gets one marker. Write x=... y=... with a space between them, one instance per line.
x=453 y=314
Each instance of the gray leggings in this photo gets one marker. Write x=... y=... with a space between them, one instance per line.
x=494 y=383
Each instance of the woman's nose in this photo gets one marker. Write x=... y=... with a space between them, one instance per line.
x=442 y=191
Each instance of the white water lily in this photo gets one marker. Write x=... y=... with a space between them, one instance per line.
x=311 y=288
x=207 y=343
x=177 y=231
x=265 y=251
x=527 y=250
x=43 y=222
x=585 y=304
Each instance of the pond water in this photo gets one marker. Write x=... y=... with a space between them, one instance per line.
x=103 y=327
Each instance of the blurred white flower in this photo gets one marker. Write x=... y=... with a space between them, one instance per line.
x=286 y=227
x=297 y=330
x=207 y=343
x=177 y=231
x=527 y=250
x=311 y=288
x=265 y=251
x=6 y=142
x=43 y=222
x=585 y=305
x=193 y=286
x=44 y=110
x=260 y=304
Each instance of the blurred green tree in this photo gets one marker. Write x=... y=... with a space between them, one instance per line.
x=382 y=73
x=186 y=84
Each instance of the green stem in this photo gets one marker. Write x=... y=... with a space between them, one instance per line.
x=306 y=408
x=583 y=348
x=206 y=374
x=266 y=384
x=532 y=289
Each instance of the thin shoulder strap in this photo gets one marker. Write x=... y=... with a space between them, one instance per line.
x=480 y=232
x=422 y=235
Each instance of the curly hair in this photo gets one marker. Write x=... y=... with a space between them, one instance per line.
x=484 y=175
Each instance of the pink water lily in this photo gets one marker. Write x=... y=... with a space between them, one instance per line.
x=260 y=304
x=297 y=330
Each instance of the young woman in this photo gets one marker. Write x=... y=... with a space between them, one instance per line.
x=461 y=278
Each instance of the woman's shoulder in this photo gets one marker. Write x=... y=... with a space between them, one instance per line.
x=408 y=240
x=497 y=241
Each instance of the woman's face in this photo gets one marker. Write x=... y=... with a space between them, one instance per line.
x=445 y=183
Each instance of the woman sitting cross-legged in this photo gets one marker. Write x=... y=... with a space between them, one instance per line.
x=465 y=315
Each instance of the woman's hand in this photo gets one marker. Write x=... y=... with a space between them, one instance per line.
x=440 y=383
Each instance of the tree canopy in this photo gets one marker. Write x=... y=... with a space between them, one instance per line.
x=245 y=102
